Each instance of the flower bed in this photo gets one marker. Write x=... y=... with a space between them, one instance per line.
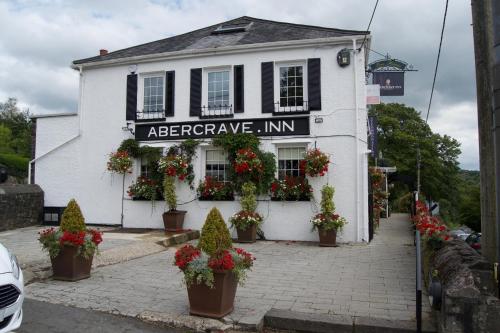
x=291 y=189
x=433 y=231
x=210 y=189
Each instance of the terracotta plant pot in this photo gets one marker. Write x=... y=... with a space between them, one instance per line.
x=247 y=236
x=173 y=220
x=213 y=302
x=327 y=237
x=67 y=266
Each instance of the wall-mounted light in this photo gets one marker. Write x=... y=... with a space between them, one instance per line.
x=344 y=57
x=132 y=69
x=129 y=128
x=318 y=120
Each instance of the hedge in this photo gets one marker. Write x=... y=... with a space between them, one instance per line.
x=17 y=166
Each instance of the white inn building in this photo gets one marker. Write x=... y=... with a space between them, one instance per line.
x=295 y=86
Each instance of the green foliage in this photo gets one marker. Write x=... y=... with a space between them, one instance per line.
x=232 y=143
x=187 y=149
x=131 y=147
x=400 y=131
x=19 y=124
x=17 y=166
x=248 y=198
x=327 y=204
x=215 y=236
x=5 y=139
x=169 y=192
x=72 y=219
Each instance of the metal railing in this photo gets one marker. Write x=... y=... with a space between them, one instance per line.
x=418 y=285
x=147 y=115
x=291 y=109
x=218 y=111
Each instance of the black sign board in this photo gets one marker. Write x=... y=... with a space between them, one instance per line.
x=207 y=129
x=391 y=83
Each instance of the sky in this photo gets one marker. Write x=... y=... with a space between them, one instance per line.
x=40 y=38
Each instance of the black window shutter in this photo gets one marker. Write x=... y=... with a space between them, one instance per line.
x=169 y=93
x=195 y=94
x=239 y=99
x=267 y=69
x=314 y=83
x=131 y=109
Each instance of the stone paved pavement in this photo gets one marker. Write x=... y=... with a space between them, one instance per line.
x=375 y=280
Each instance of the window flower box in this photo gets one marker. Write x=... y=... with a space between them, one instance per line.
x=291 y=189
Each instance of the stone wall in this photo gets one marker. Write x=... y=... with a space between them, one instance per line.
x=468 y=289
x=20 y=206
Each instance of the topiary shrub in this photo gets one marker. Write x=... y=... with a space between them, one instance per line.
x=215 y=236
x=169 y=192
x=248 y=199
x=72 y=219
x=327 y=204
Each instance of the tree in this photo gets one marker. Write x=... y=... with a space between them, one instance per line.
x=401 y=132
x=19 y=123
x=5 y=139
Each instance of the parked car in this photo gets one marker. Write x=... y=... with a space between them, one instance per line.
x=11 y=291
x=459 y=234
x=474 y=240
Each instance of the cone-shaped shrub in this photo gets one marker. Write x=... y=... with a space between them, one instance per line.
x=327 y=204
x=72 y=219
x=215 y=236
x=248 y=198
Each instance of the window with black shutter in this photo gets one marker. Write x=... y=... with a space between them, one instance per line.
x=267 y=86
x=195 y=92
x=314 y=83
x=131 y=106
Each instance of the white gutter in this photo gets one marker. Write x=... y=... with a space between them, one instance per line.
x=82 y=81
x=356 y=135
x=221 y=50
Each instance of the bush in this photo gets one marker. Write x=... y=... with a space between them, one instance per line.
x=17 y=166
x=327 y=204
x=215 y=236
x=72 y=219
x=131 y=147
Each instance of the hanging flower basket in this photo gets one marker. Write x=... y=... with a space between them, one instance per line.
x=315 y=163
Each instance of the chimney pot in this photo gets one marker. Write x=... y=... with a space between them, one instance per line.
x=103 y=52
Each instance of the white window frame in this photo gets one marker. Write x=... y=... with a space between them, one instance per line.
x=204 y=94
x=277 y=67
x=304 y=145
x=204 y=161
x=140 y=92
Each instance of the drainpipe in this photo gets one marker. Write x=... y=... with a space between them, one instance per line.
x=69 y=140
x=356 y=136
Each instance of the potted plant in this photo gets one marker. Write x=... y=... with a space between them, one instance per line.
x=210 y=189
x=315 y=163
x=213 y=269
x=247 y=220
x=72 y=246
x=120 y=162
x=327 y=222
x=174 y=166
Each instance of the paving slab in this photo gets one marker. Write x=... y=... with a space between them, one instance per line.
x=373 y=280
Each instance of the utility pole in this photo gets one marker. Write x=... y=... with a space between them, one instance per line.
x=483 y=51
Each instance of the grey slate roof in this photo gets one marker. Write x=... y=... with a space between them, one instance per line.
x=259 y=31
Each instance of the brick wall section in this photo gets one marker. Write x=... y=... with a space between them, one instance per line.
x=20 y=206
x=468 y=301
x=33 y=149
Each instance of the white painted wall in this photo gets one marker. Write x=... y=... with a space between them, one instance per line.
x=78 y=169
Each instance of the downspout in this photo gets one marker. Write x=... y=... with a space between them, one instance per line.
x=356 y=136
x=69 y=140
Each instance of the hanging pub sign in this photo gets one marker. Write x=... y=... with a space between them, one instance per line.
x=207 y=129
x=391 y=83
x=373 y=136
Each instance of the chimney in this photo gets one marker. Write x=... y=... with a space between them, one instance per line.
x=103 y=52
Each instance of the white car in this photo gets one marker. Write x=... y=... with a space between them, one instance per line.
x=11 y=291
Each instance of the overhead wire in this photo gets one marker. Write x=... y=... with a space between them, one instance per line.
x=437 y=61
x=369 y=24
